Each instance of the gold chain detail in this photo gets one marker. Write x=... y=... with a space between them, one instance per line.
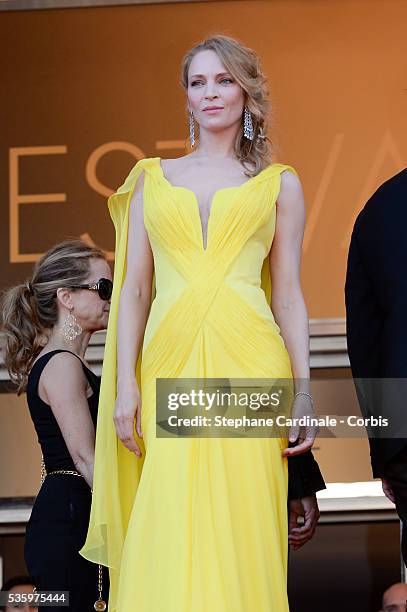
x=71 y=472
x=43 y=472
x=100 y=604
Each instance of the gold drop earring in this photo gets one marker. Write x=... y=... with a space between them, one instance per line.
x=71 y=328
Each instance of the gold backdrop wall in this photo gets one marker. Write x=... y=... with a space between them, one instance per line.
x=86 y=91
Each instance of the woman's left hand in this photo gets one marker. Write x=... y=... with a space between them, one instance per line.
x=302 y=435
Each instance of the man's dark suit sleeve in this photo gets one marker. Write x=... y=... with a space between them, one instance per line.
x=364 y=329
x=363 y=313
x=304 y=476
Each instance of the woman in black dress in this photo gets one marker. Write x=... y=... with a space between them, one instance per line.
x=46 y=326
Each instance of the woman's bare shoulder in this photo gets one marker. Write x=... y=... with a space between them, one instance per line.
x=290 y=182
x=63 y=362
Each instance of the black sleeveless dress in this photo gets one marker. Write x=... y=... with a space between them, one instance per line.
x=58 y=524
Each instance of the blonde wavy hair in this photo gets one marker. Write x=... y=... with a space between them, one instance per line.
x=29 y=310
x=244 y=66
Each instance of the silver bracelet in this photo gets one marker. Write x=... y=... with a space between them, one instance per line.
x=304 y=393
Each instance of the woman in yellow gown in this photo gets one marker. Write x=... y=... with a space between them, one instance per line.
x=200 y=524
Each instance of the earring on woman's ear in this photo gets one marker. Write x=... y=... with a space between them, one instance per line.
x=71 y=328
x=191 y=129
x=248 y=131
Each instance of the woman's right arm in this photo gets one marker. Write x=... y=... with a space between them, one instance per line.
x=134 y=307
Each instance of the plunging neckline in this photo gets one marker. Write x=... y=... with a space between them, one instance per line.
x=213 y=199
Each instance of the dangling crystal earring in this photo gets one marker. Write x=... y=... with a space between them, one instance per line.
x=248 y=124
x=71 y=328
x=191 y=129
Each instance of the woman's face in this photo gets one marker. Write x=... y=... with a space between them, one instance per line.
x=210 y=84
x=90 y=310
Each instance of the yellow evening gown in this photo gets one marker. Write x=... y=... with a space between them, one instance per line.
x=195 y=524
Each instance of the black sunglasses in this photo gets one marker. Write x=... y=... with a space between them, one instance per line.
x=104 y=287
